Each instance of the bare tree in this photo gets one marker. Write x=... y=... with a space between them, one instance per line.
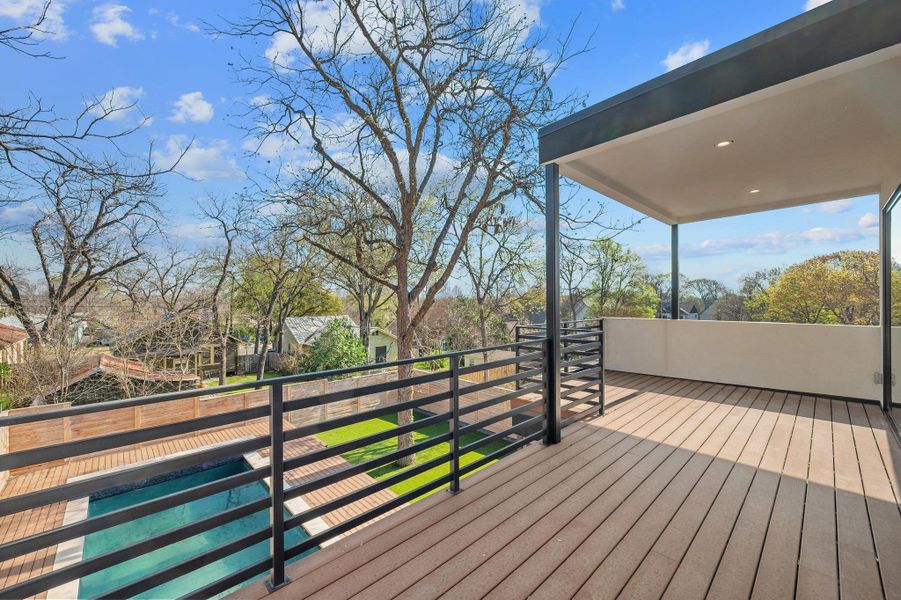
x=574 y=275
x=86 y=230
x=231 y=220
x=427 y=109
x=277 y=268
x=498 y=261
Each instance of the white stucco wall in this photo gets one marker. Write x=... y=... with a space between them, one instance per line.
x=837 y=360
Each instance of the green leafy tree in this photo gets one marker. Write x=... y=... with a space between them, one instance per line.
x=842 y=287
x=336 y=347
x=621 y=284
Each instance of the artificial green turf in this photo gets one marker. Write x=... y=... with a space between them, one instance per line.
x=365 y=428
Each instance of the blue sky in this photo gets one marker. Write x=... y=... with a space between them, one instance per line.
x=156 y=53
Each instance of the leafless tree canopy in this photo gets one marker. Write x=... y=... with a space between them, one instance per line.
x=86 y=229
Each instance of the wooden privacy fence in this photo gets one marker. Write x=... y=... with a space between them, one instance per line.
x=69 y=428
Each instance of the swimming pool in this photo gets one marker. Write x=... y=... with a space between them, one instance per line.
x=114 y=538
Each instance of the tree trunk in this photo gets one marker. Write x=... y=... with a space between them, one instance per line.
x=404 y=351
x=365 y=325
x=263 y=351
x=483 y=332
x=223 y=349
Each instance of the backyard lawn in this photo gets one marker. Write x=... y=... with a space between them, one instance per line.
x=214 y=381
x=358 y=430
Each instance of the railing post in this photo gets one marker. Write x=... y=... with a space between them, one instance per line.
x=455 y=425
x=551 y=399
x=516 y=352
x=277 y=487
x=602 y=376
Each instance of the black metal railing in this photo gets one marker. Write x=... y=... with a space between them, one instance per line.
x=582 y=376
x=581 y=380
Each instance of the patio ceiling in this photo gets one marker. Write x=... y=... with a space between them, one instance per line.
x=812 y=108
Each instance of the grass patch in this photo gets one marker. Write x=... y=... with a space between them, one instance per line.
x=232 y=379
x=5 y=399
x=359 y=430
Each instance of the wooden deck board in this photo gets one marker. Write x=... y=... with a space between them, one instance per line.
x=683 y=488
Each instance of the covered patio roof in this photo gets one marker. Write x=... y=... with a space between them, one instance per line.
x=803 y=112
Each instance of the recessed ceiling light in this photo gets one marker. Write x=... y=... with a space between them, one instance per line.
x=754 y=192
x=724 y=143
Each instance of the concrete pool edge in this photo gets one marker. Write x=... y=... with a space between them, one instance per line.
x=72 y=551
x=295 y=506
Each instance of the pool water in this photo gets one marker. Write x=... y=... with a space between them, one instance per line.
x=114 y=538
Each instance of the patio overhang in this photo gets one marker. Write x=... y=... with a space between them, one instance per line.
x=810 y=109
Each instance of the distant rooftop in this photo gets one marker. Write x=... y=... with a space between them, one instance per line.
x=307 y=330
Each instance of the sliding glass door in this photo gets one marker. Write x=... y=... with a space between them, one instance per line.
x=891 y=306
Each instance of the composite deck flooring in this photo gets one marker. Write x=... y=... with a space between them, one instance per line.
x=682 y=490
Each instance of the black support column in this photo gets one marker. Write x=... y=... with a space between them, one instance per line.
x=552 y=303
x=674 y=274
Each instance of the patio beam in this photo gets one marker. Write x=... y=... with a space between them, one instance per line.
x=674 y=273
x=552 y=301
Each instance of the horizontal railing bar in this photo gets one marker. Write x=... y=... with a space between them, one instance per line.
x=562 y=323
x=187 y=566
x=502 y=398
x=362 y=467
x=579 y=388
x=367 y=390
x=500 y=363
x=581 y=335
x=580 y=374
x=230 y=581
x=377 y=486
x=500 y=453
x=364 y=517
x=533 y=348
x=501 y=434
x=85 y=527
x=108 y=559
x=581 y=348
x=313 y=428
x=80 y=489
x=589 y=399
x=316 y=456
x=45 y=454
x=533 y=380
x=484 y=385
x=500 y=417
x=532 y=336
x=575 y=362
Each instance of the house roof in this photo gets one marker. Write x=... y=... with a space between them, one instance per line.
x=808 y=109
x=10 y=335
x=307 y=329
x=686 y=307
x=130 y=368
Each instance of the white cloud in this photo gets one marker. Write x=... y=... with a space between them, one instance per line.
x=199 y=162
x=27 y=12
x=192 y=107
x=617 y=5
x=776 y=242
x=832 y=207
x=868 y=220
x=811 y=4
x=686 y=53
x=18 y=214
x=118 y=102
x=108 y=24
x=176 y=21
x=197 y=232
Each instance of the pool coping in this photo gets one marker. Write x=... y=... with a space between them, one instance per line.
x=72 y=551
